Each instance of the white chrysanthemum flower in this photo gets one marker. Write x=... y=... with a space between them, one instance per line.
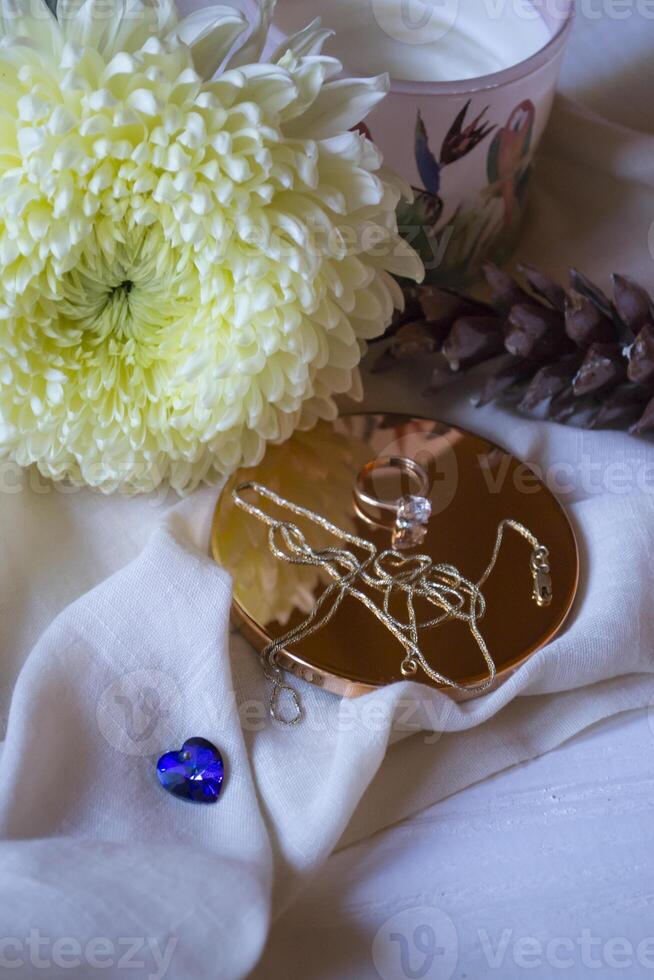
x=190 y=263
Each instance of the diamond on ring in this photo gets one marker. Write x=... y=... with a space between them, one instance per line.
x=413 y=513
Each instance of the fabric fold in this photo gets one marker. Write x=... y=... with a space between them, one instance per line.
x=92 y=848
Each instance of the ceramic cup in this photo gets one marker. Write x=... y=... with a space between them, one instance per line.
x=466 y=147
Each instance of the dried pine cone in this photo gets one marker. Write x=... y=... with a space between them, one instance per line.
x=577 y=355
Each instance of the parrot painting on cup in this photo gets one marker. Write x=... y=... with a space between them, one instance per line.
x=451 y=241
x=508 y=156
x=459 y=140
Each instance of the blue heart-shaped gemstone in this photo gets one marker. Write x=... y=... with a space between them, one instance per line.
x=194 y=773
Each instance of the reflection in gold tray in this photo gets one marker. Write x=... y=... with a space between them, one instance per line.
x=474 y=486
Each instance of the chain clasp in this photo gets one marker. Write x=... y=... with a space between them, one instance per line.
x=541 y=572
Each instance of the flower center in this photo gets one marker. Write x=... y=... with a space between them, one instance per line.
x=127 y=303
x=114 y=311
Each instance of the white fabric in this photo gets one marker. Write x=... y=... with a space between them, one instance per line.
x=91 y=846
x=609 y=66
x=543 y=870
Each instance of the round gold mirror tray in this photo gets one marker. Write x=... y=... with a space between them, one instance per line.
x=473 y=486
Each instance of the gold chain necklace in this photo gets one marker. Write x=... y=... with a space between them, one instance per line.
x=388 y=574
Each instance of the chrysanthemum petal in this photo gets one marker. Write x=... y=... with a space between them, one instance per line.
x=251 y=51
x=211 y=33
x=340 y=105
x=304 y=43
x=32 y=21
